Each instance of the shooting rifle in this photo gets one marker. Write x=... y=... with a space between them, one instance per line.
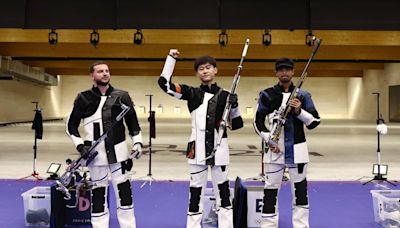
x=64 y=183
x=227 y=109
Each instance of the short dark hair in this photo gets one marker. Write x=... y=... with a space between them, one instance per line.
x=203 y=60
x=284 y=62
x=91 y=69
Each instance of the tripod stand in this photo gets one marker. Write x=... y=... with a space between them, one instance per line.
x=37 y=125
x=152 y=134
x=379 y=175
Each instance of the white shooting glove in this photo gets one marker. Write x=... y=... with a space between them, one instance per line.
x=137 y=151
x=137 y=146
x=265 y=136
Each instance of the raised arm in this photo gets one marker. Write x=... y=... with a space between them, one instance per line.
x=165 y=81
x=179 y=91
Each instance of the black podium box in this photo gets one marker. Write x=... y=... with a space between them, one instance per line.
x=65 y=212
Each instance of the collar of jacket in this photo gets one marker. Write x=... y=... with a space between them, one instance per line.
x=214 y=88
x=97 y=91
x=280 y=88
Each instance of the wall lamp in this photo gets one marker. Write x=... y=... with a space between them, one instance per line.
x=138 y=37
x=223 y=38
x=94 y=38
x=310 y=38
x=266 y=37
x=53 y=37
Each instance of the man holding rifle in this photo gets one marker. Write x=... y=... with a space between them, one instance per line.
x=290 y=149
x=99 y=109
x=206 y=106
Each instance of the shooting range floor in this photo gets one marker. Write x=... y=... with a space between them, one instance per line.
x=339 y=150
x=333 y=204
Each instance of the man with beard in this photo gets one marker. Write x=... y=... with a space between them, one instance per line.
x=291 y=150
x=98 y=108
x=206 y=105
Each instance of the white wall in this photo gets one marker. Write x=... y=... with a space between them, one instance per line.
x=335 y=98
x=16 y=97
x=376 y=81
x=329 y=106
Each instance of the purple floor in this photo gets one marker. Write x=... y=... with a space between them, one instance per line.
x=163 y=204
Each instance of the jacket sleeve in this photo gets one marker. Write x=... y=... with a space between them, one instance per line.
x=309 y=114
x=236 y=118
x=74 y=119
x=131 y=120
x=263 y=110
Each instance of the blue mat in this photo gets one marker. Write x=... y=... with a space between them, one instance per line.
x=164 y=204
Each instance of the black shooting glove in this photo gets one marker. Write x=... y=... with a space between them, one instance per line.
x=233 y=100
x=83 y=150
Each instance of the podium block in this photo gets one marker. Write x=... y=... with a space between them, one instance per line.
x=69 y=212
